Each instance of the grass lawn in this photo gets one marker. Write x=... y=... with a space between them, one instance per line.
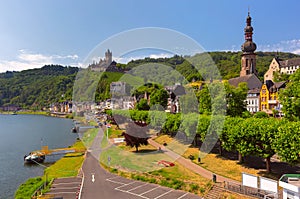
x=220 y=165
x=143 y=165
x=27 y=188
x=229 y=167
x=176 y=177
x=213 y=162
x=68 y=165
x=89 y=136
x=125 y=158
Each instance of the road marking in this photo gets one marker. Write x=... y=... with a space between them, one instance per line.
x=132 y=193
x=149 y=191
x=115 y=181
x=137 y=187
x=66 y=183
x=93 y=178
x=183 y=195
x=164 y=194
x=56 y=188
x=125 y=185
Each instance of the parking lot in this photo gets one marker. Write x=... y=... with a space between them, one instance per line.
x=66 y=188
x=148 y=190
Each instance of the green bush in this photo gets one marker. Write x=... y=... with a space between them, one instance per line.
x=26 y=189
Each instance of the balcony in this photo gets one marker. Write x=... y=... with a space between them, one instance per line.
x=272 y=101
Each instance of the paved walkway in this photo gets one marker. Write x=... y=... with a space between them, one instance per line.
x=189 y=164
x=98 y=183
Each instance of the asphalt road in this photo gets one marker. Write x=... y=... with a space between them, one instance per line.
x=98 y=183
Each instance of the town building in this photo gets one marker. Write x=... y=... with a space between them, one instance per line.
x=253 y=100
x=118 y=88
x=282 y=67
x=269 y=96
x=248 y=71
x=174 y=92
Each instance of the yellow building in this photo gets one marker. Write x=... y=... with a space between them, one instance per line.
x=269 y=96
x=264 y=96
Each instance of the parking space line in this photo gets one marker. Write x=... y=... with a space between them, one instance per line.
x=183 y=195
x=116 y=182
x=125 y=185
x=65 y=192
x=164 y=194
x=137 y=187
x=149 y=191
x=132 y=193
x=113 y=178
x=64 y=188
x=66 y=183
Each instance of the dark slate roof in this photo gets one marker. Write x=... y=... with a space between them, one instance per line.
x=251 y=80
x=290 y=62
x=277 y=85
x=254 y=91
x=176 y=89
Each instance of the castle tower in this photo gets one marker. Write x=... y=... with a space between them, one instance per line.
x=108 y=57
x=248 y=62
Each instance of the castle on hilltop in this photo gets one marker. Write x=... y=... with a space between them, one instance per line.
x=103 y=63
x=106 y=64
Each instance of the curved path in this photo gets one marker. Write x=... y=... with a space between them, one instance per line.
x=190 y=165
x=98 y=183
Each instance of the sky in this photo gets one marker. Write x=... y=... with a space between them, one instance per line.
x=38 y=32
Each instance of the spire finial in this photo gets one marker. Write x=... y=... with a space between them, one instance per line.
x=248 y=10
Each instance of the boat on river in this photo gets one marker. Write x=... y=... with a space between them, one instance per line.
x=34 y=157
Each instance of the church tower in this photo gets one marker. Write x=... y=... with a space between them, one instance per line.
x=248 y=62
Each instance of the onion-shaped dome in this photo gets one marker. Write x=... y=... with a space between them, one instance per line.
x=249 y=46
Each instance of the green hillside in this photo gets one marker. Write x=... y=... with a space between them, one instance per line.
x=37 y=88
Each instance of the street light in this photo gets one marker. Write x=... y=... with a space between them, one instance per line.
x=107 y=126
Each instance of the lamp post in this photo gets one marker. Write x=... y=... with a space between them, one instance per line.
x=107 y=127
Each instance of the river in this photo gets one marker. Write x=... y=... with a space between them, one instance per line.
x=20 y=134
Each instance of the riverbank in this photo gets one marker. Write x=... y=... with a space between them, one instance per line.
x=67 y=166
x=31 y=112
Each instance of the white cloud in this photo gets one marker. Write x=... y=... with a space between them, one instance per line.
x=292 y=46
x=28 y=60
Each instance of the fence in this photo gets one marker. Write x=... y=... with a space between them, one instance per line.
x=249 y=191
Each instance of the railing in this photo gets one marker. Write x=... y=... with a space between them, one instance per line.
x=39 y=191
x=249 y=191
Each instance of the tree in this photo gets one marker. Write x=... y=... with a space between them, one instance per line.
x=290 y=98
x=204 y=100
x=135 y=135
x=287 y=142
x=159 y=97
x=235 y=98
x=142 y=105
x=231 y=135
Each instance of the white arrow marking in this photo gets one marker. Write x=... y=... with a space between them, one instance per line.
x=93 y=178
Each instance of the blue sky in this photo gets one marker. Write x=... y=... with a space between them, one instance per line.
x=35 y=32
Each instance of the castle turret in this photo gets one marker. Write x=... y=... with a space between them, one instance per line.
x=108 y=57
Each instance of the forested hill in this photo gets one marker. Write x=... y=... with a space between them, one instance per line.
x=36 y=88
x=228 y=63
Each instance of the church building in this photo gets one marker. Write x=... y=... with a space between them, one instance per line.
x=248 y=71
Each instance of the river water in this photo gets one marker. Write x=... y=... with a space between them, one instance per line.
x=20 y=134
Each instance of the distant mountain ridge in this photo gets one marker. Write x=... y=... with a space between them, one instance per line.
x=38 y=88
